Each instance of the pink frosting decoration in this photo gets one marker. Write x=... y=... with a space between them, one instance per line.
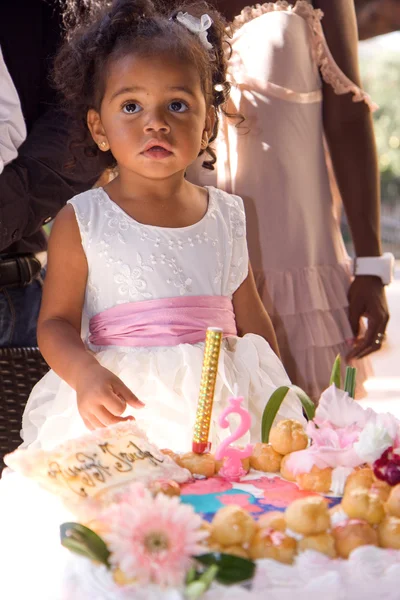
x=242 y=500
x=200 y=487
x=162 y=322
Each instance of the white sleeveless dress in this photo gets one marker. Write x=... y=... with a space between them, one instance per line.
x=131 y=262
x=276 y=162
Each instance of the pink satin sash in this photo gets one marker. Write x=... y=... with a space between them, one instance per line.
x=163 y=322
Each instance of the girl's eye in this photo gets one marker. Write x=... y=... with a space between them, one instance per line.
x=178 y=106
x=131 y=108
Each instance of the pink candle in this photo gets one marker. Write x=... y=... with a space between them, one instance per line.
x=232 y=468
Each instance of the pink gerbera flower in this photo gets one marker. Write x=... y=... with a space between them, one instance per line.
x=152 y=540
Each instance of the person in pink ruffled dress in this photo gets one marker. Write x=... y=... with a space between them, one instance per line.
x=150 y=260
x=298 y=101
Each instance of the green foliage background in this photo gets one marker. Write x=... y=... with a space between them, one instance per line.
x=380 y=74
x=381 y=79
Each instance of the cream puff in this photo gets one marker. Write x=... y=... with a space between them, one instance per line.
x=209 y=540
x=361 y=504
x=308 y=516
x=268 y=543
x=351 y=535
x=232 y=526
x=212 y=546
x=360 y=478
x=265 y=458
x=380 y=489
x=198 y=464
x=288 y=436
x=321 y=542
x=273 y=520
x=389 y=533
x=235 y=551
x=393 y=501
x=317 y=480
x=285 y=471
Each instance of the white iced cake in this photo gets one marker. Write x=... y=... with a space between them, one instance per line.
x=97 y=463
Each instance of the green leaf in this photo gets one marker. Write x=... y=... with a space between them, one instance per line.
x=231 y=569
x=350 y=381
x=191 y=575
x=336 y=375
x=82 y=540
x=274 y=404
x=209 y=575
x=196 y=589
x=271 y=410
x=308 y=404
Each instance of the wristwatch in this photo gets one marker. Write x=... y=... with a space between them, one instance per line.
x=380 y=266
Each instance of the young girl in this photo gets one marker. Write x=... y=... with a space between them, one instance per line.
x=149 y=260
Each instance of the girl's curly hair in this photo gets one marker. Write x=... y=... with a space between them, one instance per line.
x=79 y=12
x=105 y=30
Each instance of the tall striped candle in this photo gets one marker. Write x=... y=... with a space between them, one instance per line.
x=209 y=373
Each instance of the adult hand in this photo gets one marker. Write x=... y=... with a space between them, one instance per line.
x=102 y=397
x=367 y=299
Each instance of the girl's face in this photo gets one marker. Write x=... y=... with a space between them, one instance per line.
x=153 y=115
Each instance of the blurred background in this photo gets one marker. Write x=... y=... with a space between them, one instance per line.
x=379 y=51
x=380 y=70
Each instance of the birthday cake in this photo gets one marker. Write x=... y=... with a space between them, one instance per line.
x=157 y=521
x=328 y=492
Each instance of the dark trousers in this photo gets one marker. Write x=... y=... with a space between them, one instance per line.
x=19 y=311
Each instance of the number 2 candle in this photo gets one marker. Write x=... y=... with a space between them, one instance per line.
x=232 y=469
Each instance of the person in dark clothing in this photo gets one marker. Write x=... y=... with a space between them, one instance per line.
x=41 y=179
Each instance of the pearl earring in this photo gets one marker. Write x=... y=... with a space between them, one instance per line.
x=103 y=145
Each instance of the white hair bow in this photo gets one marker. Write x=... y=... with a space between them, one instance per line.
x=197 y=26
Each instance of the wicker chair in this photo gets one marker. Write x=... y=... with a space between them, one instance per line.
x=20 y=369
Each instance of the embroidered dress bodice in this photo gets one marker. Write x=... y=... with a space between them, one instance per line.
x=132 y=262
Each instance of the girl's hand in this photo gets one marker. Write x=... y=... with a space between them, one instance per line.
x=102 y=397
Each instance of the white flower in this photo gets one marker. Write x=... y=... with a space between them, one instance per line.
x=372 y=443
